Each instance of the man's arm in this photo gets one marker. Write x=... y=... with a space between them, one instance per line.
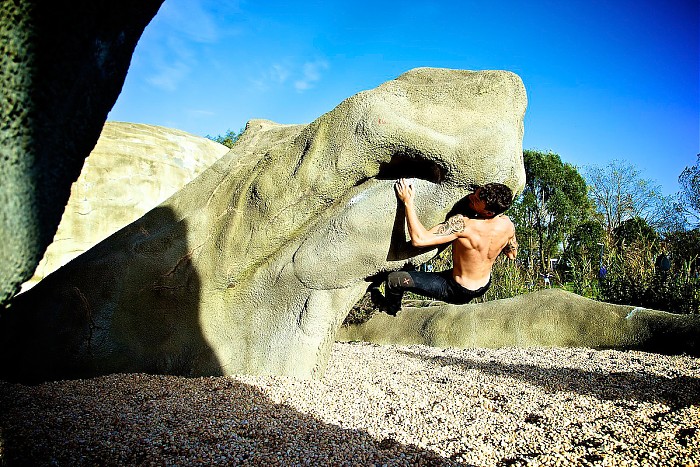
x=420 y=236
x=511 y=248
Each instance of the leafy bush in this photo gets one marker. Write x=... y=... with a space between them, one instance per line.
x=635 y=279
x=509 y=279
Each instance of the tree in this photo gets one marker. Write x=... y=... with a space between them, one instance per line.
x=228 y=138
x=620 y=193
x=636 y=231
x=585 y=244
x=582 y=258
x=684 y=249
x=673 y=215
x=553 y=203
x=690 y=192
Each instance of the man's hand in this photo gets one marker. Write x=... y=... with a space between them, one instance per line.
x=420 y=236
x=405 y=191
x=511 y=248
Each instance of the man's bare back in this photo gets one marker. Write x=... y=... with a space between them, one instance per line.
x=476 y=248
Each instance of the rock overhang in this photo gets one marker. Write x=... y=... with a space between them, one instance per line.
x=438 y=145
x=264 y=254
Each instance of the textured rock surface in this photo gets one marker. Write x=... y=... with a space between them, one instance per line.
x=253 y=265
x=550 y=317
x=62 y=67
x=132 y=169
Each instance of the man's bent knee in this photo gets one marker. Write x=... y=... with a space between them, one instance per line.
x=399 y=280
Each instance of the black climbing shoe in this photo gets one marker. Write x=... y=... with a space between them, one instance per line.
x=382 y=303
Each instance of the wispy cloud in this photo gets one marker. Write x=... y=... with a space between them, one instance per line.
x=190 y=19
x=300 y=76
x=279 y=73
x=177 y=35
x=168 y=76
x=311 y=73
x=276 y=74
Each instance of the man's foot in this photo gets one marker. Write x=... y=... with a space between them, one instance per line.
x=382 y=303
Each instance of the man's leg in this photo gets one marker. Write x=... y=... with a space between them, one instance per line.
x=391 y=303
x=430 y=284
x=396 y=284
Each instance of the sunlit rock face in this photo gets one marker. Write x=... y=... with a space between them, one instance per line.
x=546 y=318
x=62 y=66
x=251 y=267
x=132 y=169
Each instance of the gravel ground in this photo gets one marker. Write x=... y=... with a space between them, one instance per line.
x=383 y=405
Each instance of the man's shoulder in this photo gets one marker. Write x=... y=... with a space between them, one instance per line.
x=507 y=218
x=502 y=218
x=500 y=223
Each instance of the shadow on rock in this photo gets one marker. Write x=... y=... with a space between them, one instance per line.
x=83 y=325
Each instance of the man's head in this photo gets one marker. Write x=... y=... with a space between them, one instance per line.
x=491 y=199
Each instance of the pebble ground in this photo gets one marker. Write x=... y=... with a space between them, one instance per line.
x=376 y=405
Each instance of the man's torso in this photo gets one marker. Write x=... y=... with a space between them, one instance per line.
x=476 y=249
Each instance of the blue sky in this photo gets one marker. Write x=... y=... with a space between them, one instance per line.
x=605 y=79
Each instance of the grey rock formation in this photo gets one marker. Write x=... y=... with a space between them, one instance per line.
x=252 y=266
x=551 y=317
x=62 y=67
x=132 y=169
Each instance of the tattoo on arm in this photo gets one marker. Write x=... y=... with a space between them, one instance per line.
x=452 y=225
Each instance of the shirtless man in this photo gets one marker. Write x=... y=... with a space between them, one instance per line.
x=476 y=243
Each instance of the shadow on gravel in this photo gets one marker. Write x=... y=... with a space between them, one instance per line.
x=677 y=392
x=140 y=419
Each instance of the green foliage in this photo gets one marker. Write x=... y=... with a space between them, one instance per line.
x=689 y=181
x=553 y=203
x=228 y=139
x=509 y=279
x=684 y=249
x=582 y=259
x=585 y=244
x=582 y=277
x=636 y=231
x=635 y=277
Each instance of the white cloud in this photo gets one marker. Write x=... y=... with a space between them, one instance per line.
x=168 y=76
x=189 y=18
x=311 y=73
x=301 y=77
x=279 y=73
x=174 y=41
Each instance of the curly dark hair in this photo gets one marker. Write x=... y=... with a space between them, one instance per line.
x=497 y=196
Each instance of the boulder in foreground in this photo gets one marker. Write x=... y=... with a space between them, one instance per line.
x=551 y=317
x=251 y=267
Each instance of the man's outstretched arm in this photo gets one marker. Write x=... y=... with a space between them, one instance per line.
x=420 y=236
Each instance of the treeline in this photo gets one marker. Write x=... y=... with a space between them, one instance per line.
x=228 y=138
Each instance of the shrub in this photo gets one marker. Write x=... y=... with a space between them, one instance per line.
x=634 y=279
